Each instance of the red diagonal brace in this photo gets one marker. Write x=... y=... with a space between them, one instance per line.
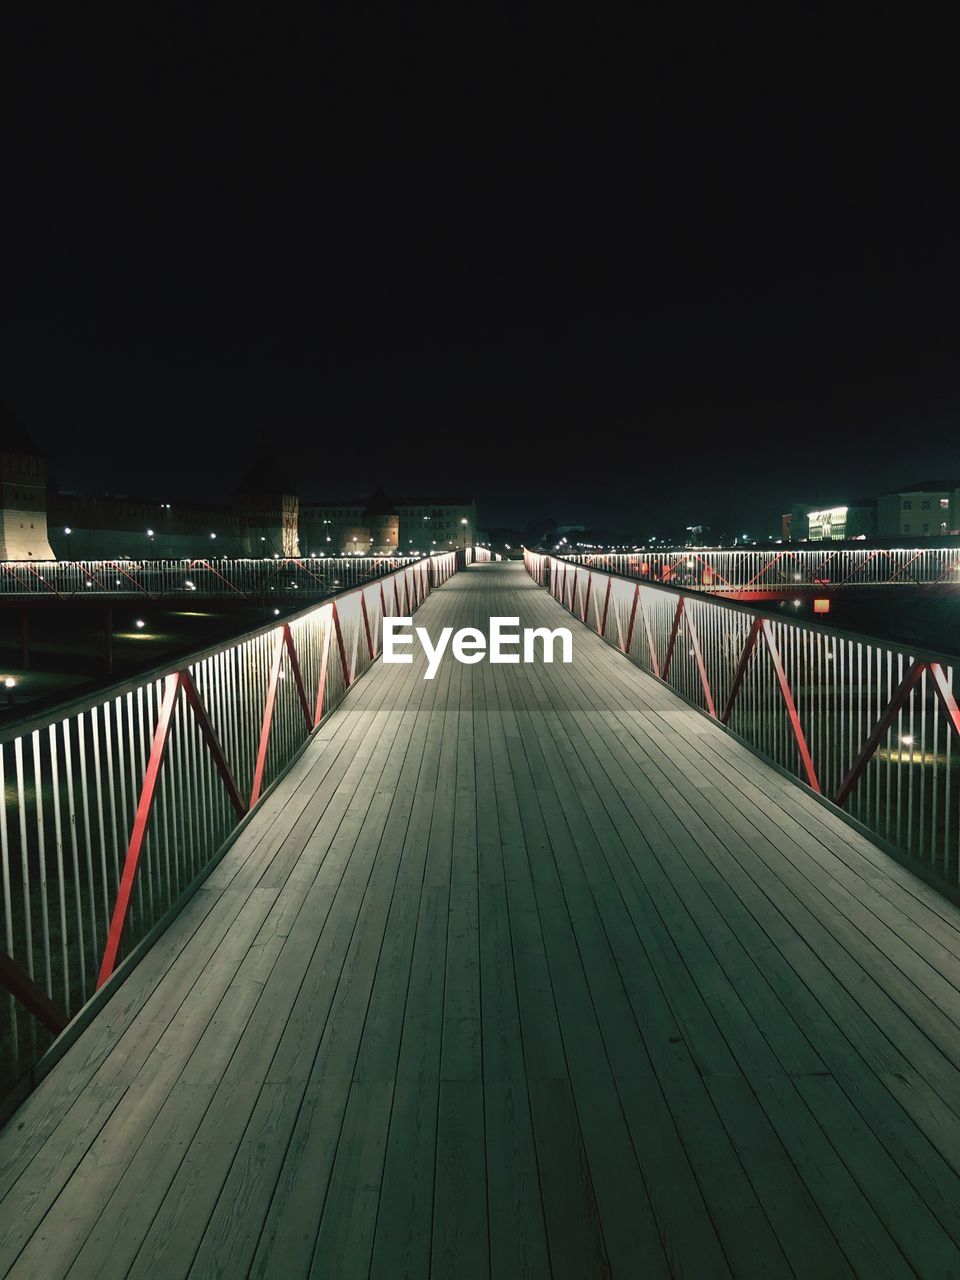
x=805 y=757
x=366 y=623
x=297 y=675
x=602 y=630
x=216 y=573
x=212 y=741
x=633 y=618
x=344 y=665
x=654 y=663
x=33 y=998
x=147 y=795
x=673 y=639
x=741 y=670
x=322 y=682
x=586 y=597
x=120 y=569
x=701 y=666
x=945 y=694
x=883 y=724
x=267 y=720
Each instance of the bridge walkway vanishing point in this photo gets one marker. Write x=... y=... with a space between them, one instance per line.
x=527 y=970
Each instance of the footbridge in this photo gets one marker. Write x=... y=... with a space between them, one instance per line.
x=644 y=964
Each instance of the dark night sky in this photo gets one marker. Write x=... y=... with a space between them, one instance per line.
x=688 y=268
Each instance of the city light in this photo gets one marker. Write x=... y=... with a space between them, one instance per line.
x=9 y=683
x=140 y=624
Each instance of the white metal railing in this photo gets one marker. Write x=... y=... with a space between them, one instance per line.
x=870 y=725
x=182 y=579
x=781 y=568
x=116 y=804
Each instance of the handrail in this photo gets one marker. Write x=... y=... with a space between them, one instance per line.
x=188 y=578
x=869 y=724
x=116 y=804
x=780 y=569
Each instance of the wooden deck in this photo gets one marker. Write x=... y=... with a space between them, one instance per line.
x=525 y=971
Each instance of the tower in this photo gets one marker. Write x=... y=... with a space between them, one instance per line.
x=23 y=494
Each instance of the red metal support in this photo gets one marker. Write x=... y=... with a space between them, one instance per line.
x=671 y=645
x=805 y=757
x=654 y=662
x=916 y=556
x=586 y=597
x=945 y=694
x=883 y=724
x=267 y=719
x=130 y=578
x=207 y=565
x=701 y=666
x=396 y=597
x=761 y=571
x=602 y=631
x=213 y=742
x=710 y=569
x=39 y=576
x=324 y=661
x=88 y=573
x=860 y=567
x=633 y=618
x=147 y=795
x=33 y=997
x=741 y=671
x=366 y=624
x=338 y=631
x=297 y=675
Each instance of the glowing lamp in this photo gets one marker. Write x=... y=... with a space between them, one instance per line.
x=821 y=606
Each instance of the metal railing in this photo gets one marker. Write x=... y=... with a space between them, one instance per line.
x=479 y=555
x=783 y=569
x=870 y=725
x=183 y=579
x=114 y=806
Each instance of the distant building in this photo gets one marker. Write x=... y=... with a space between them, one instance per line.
x=830 y=522
x=843 y=523
x=268 y=508
x=377 y=526
x=108 y=528
x=447 y=524
x=23 y=494
x=929 y=508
